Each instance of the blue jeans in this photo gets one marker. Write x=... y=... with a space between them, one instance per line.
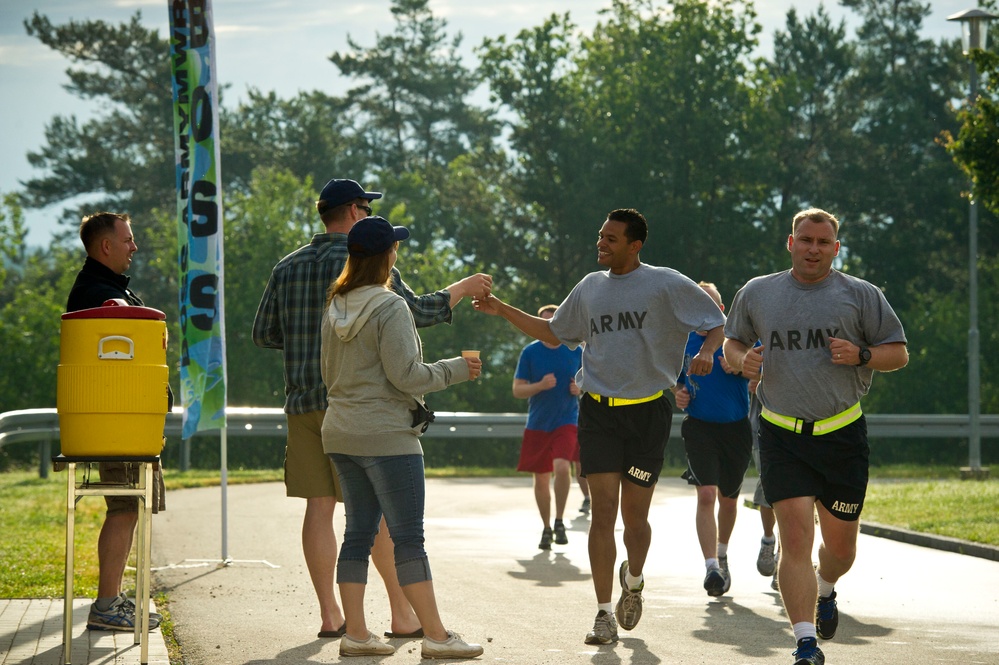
x=392 y=485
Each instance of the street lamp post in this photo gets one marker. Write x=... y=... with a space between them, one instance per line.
x=974 y=28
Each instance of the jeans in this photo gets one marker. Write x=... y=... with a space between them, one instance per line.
x=393 y=485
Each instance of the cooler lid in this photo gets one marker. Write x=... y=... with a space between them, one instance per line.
x=117 y=309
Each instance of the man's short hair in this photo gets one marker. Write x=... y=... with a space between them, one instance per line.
x=329 y=213
x=547 y=308
x=636 y=228
x=96 y=226
x=711 y=285
x=815 y=215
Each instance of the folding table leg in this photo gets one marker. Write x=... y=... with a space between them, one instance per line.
x=67 y=612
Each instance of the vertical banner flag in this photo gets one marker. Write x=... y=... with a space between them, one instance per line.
x=199 y=215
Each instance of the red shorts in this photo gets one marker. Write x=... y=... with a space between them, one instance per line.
x=538 y=448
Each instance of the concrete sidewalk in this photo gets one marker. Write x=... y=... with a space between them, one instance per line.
x=901 y=603
x=31 y=634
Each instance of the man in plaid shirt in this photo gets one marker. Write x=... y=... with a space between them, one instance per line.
x=289 y=318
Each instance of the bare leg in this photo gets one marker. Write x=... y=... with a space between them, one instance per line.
x=635 y=503
x=605 y=490
x=728 y=509
x=798 y=588
x=404 y=619
x=320 y=550
x=421 y=597
x=543 y=497
x=563 y=479
x=113 y=547
x=768 y=520
x=707 y=529
x=838 y=549
x=352 y=595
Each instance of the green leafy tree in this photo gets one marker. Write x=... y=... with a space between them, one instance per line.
x=33 y=291
x=411 y=105
x=811 y=129
x=123 y=157
x=899 y=199
x=976 y=148
x=273 y=218
x=653 y=111
x=311 y=135
x=544 y=213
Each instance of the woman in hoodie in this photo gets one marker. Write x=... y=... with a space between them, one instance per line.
x=373 y=369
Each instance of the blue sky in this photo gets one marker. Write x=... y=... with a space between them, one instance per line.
x=279 y=45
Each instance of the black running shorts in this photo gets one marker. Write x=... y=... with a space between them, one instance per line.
x=832 y=467
x=630 y=440
x=717 y=453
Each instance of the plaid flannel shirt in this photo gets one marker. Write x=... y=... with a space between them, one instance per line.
x=289 y=316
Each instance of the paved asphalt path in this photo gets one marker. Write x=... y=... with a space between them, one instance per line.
x=900 y=604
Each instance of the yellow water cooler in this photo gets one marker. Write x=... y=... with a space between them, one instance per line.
x=112 y=381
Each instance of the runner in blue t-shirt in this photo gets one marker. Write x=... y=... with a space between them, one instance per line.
x=546 y=377
x=718 y=441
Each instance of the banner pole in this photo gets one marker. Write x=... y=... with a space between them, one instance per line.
x=225 y=488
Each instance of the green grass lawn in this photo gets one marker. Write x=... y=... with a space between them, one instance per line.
x=33 y=517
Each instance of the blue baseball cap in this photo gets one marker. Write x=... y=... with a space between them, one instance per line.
x=373 y=235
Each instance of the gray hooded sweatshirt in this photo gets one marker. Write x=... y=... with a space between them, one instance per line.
x=373 y=369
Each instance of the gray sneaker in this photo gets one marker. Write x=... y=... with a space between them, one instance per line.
x=452 y=647
x=765 y=562
x=118 y=616
x=604 y=629
x=154 y=617
x=723 y=565
x=629 y=606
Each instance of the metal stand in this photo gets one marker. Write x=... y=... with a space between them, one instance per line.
x=143 y=490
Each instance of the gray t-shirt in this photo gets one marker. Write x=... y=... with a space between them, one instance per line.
x=635 y=327
x=794 y=320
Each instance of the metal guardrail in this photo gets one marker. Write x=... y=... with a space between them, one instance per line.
x=42 y=426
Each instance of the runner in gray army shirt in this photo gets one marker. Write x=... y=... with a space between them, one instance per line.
x=634 y=320
x=823 y=335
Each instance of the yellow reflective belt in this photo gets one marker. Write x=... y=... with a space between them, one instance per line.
x=819 y=427
x=621 y=401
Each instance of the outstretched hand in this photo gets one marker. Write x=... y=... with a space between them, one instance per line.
x=474 y=286
x=488 y=304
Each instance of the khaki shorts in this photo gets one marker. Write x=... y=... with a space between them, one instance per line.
x=119 y=472
x=308 y=471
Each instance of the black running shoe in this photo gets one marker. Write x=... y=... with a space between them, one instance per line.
x=808 y=652
x=546 y=539
x=826 y=616
x=714 y=582
x=560 y=537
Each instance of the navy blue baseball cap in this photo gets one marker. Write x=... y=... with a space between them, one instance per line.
x=339 y=191
x=373 y=235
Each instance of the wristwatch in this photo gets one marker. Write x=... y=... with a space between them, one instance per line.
x=865 y=355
